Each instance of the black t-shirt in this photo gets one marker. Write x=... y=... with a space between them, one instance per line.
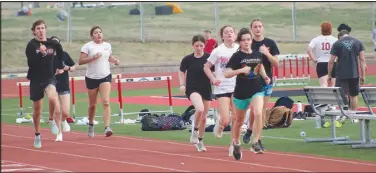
x=246 y=85
x=63 y=79
x=347 y=49
x=273 y=49
x=42 y=68
x=196 y=77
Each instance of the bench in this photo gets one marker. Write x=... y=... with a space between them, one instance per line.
x=331 y=96
x=336 y=96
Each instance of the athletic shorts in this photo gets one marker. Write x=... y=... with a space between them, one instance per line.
x=224 y=95
x=244 y=104
x=349 y=86
x=322 y=69
x=206 y=95
x=267 y=90
x=37 y=88
x=94 y=83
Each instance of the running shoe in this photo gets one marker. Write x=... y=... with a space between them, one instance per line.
x=37 y=142
x=91 y=131
x=59 y=137
x=194 y=137
x=237 y=153
x=256 y=148
x=247 y=136
x=65 y=126
x=200 y=146
x=53 y=126
x=108 y=131
x=217 y=130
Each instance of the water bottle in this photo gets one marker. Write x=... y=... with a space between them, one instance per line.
x=300 y=106
x=318 y=121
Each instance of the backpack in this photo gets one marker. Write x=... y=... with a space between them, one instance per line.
x=186 y=115
x=278 y=117
x=284 y=101
x=149 y=123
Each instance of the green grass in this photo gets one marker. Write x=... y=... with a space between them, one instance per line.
x=283 y=145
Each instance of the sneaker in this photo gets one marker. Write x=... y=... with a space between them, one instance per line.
x=59 y=137
x=217 y=131
x=53 y=126
x=108 y=132
x=65 y=126
x=247 y=136
x=230 y=150
x=237 y=153
x=194 y=137
x=200 y=146
x=37 y=142
x=91 y=131
x=256 y=148
x=261 y=146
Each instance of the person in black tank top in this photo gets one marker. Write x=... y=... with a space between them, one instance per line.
x=197 y=88
x=62 y=88
x=247 y=66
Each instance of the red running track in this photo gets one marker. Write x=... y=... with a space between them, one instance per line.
x=79 y=153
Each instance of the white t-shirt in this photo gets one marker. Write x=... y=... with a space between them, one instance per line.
x=219 y=57
x=98 y=68
x=321 y=46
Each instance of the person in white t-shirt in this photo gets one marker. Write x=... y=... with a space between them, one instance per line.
x=321 y=46
x=98 y=55
x=223 y=87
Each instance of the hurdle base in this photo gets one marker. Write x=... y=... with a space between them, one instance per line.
x=309 y=140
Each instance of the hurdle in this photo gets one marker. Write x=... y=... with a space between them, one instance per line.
x=73 y=94
x=142 y=79
x=302 y=78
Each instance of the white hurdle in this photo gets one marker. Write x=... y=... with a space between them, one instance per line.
x=142 y=79
x=73 y=94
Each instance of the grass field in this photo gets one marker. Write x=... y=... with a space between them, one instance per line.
x=292 y=141
x=168 y=36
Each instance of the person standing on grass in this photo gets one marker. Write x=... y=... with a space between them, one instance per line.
x=62 y=88
x=98 y=55
x=374 y=38
x=40 y=59
x=223 y=87
x=270 y=52
x=211 y=43
x=197 y=88
x=322 y=45
x=247 y=66
x=349 y=52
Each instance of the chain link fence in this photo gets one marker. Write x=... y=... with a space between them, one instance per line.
x=283 y=21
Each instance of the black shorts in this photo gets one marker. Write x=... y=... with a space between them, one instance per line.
x=94 y=83
x=37 y=88
x=349 y=86
x=62 y=88
x=224 y=95
x=206 y=95
x=322 y=69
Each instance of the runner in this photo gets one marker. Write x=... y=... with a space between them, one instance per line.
x=98 y=55
x=223 y=87
x=247 y=66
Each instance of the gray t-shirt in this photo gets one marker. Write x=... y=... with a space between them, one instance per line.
x=347 y=50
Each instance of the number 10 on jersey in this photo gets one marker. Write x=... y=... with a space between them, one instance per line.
x=325 y=46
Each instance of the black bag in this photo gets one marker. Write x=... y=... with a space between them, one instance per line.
x=149 y=123
x=284 y=101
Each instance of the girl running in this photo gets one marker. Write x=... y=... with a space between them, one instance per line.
x=98 y=55
x=62 y=88
x=223 y=87
x=270 y=52
x=247 y=66
x=41 y=73
x=197 y=88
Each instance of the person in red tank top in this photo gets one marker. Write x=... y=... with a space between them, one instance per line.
x=211 y=43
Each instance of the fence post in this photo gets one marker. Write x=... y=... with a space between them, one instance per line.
x=69 y=34
x=373 y=15
x=142 y=22
x=293 y=14
x=216 y=16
